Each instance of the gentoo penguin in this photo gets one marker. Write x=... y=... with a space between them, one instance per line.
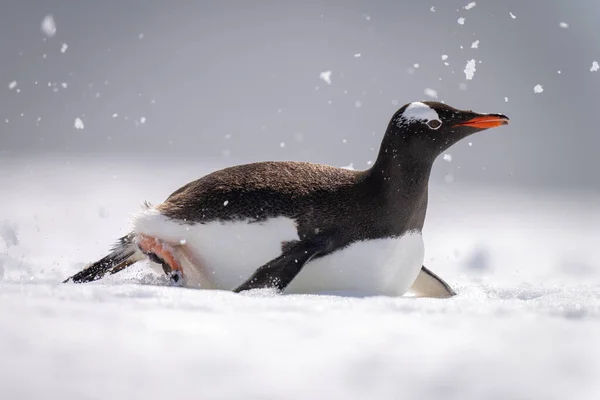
x=305 y=228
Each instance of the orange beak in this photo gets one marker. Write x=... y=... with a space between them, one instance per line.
x=486 y=121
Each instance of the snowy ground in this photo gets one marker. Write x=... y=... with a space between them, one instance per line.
x=525 y=325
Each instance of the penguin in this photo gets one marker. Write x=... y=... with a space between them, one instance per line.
x=299 y=227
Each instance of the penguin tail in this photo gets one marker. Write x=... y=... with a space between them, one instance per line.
x=123 y=254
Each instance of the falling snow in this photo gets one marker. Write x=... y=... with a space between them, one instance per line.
x=461 y=21
x=595 y=67
x=358 y=104
x=470 y=5
x=357 y=55
x=79 y=123
x=475 y=44
x=64 y=48
x=431 y=93
x=538 y=89
x=12 y=85
x=470 y=69
x=326 y=76
x=48 y=26
x=225 y=202
x=432 y=9
x=143 y=120
x=563 y=25
x=444 y=57
x=513 y=16
x=506 y=99
x=447 y=157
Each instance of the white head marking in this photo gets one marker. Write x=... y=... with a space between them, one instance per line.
x=417 y=111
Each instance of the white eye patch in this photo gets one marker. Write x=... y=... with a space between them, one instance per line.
x=418 y=111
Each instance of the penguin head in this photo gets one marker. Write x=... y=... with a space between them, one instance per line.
x=430 y=127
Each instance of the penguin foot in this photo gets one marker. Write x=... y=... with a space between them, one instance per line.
x=163 y=254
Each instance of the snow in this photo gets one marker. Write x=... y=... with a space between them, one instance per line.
x=524 y=325
x=64 y=48
x=470 y=69
x=513 y=16
x=358 y=104
x=444 y=57
x=595 y=67
x=431 y=93
x=326 y=76
x=475 y=44
x=538 y=89
x=447 y=157
x=357 y=55
x=470 y=5
x=48 y=26
x=563 y=25
x=432 y=9
x=506 y=99
x=79 y=123
x=12 y=85
x=142 y=120
x=461 y=21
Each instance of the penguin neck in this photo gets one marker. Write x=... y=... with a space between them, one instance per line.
x=402 y=168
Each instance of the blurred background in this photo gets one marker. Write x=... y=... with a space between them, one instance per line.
x=227 y=82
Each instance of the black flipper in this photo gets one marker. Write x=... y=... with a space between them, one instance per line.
x=279 y=272
x=429 y=284
x=123 y=254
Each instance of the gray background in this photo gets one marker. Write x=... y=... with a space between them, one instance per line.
x=227 y=82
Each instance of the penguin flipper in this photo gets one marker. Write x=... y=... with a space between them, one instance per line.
x=280 y=271
x=429 y=284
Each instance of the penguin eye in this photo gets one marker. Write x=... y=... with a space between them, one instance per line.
x=434 y=123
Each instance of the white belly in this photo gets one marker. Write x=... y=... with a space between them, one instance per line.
x=228 y=253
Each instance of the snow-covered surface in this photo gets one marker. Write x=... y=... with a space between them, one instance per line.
x=525 y=323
